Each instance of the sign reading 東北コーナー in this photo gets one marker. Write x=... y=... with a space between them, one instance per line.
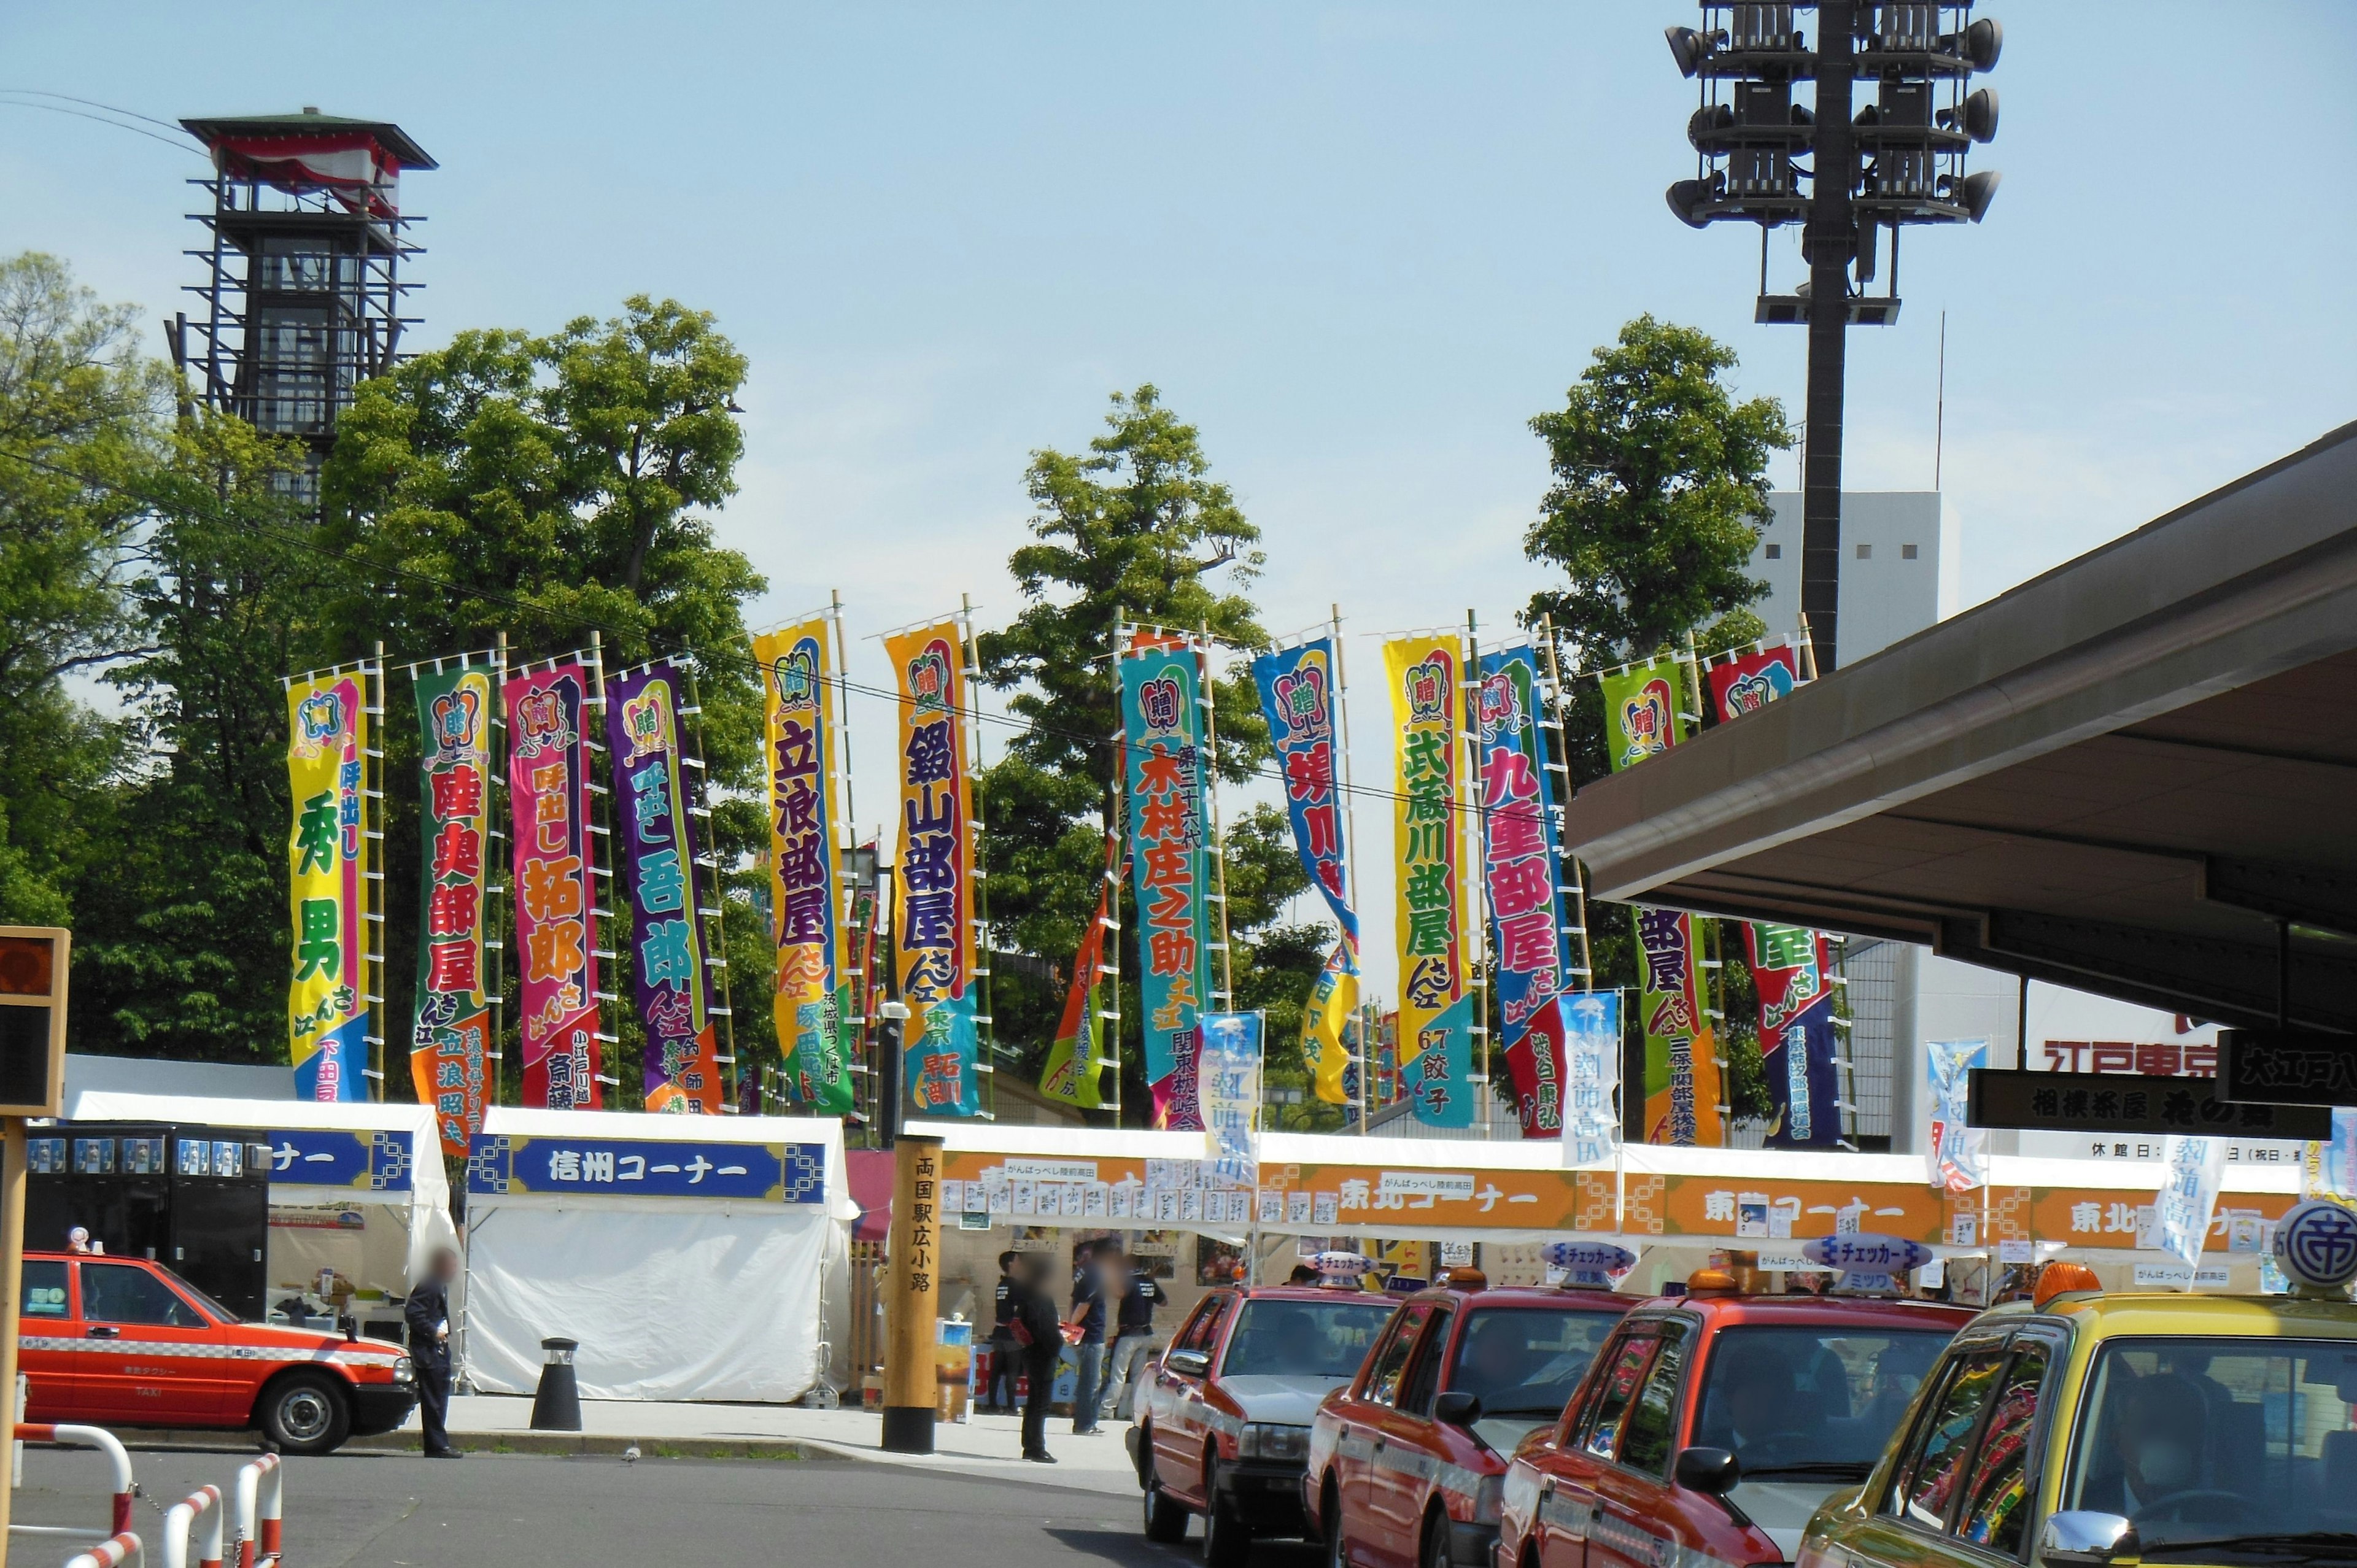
x=501 y=1164
x=2121 y=1102
x=2288 y=1067
x=375 y=1162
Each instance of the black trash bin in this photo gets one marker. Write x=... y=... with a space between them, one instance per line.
x=556 y=1403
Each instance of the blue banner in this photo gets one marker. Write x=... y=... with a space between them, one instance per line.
x=1521 y=863
x=1297 y=695
x=938 y=1065
x=1440 y=1075
x=1789 y=970
x=373 y=1162
x=1162 y=725
x=500 y=1165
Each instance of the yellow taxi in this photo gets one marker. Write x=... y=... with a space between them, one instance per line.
x=2086 y=1428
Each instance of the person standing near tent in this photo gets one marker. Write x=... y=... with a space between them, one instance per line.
x=1041 y=1334
x=427 y=1313
x=1003 y=1350
x=1088 y=1351
x=1133 y=1331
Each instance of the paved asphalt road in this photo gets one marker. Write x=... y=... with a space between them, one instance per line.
x=518 y=1510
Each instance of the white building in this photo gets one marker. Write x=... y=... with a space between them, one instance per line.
x=1901 y=566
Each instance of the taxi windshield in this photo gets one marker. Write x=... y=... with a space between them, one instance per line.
x=1525 y=1360
x=2235 y=1450
x=1795 y=1404
x=1277 y=1337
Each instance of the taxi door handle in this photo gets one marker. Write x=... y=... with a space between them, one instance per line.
x=1546 y=1487
x=104 y=1331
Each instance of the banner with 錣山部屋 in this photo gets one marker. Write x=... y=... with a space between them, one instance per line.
x=807 y=835
x=327 y=1006
x=670 y=977
x=1330 y=1028
x=1749 y=682
x=1643 y=715
x=1169 y=855
x=934 y=880
x=1523 y=868
x=449 y=1024
x=548 y=806
x=1075 y=1058
x=1681 y=1075
x=1791 y=969
x=1425 y=675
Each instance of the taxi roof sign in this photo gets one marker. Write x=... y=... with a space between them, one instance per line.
x=33 y=963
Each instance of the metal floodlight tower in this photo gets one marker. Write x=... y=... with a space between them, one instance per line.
x=303 y=291
x=1899 y=160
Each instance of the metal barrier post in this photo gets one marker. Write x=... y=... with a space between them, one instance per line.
x=96 y=1437
x=123 y=1549
x=259 y=1492
x=204 y=1503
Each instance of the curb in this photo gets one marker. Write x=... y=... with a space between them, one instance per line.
x=163 y=1440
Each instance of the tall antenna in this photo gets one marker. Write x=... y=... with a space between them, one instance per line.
x=1939 y=409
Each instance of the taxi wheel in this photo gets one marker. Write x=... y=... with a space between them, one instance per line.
x=1436 y=1543
x=1227 y=1540
x=306 y=1413
x=1338 y=1555
x=1166 y=1521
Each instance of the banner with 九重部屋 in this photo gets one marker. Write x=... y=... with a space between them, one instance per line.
x=802 y=744
x=1523 y=865
x=1681 y=1075
x=1643 y=710
x=328 y=861
x=1075 y=1058
x=449 y=1023
x=1425 y=675
x=1749 y=682
x=671 y=980
x=1169 y=855
x=1791 y=970
x=933 y=878
x=1300 y=699
x=1329 y=1027
x=548 y=810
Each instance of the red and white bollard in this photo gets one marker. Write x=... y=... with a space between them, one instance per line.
x=204 y=1503
x=259 y=1507
x=106 y=1442
x=123 y=1549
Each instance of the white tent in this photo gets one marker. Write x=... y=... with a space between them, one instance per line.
x=358 y=1187
x=692 y=1257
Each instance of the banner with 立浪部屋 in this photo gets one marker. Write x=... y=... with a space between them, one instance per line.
x=449 y=1024
x=1643 y=715
x=1749 y=682
x=1681 y=1075
x=328 y=1008
x=548 y=809
x=670 y=979
x=1298 y=697
x=1791 y=970
x=933 y=879
x=1169 y=855
x=1073 y=1072
x=1425 y=675
x=1521 y=862
x=804 y=747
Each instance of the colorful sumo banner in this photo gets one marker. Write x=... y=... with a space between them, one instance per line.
x=328 y=862
x=803 y=746
x=1170 y=853
x=1425 y=676
x=670 y=975
x=933 y=881
x=1522 y=867
x=1643 y=715
x=449 y=1023
x=1790 y=967
x=548 y=805
x=1682 y=1076
x=1298 y=697
x=1073 y=1072
x=1749 y=682
x=1330 y=1028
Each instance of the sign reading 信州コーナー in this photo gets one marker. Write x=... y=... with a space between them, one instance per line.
x=501 y=1164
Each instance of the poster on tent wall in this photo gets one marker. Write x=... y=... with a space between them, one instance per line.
x=1330 y=1028
x=1425 y=675
x=1682 y=1076
x=548 y=806
x=932 y=884
x=327 y=857
x=804 y=746
x=1076 y=1056
x=1643 y=718
x=1523 y=868
x=1228 y=1089
x=670 y=980
x=1789 y=968
x=449 y=1024
x=1169 y=855
x=1749 y=682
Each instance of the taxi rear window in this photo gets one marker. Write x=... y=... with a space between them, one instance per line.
x=1527 y=1360
x=45 y=1290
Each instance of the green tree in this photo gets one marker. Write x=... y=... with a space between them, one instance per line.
x=1132 y=529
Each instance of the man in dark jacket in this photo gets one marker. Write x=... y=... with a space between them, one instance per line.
x=1087 y=1352
x=427 y=1313
x=1134 y=1331
x=1004 y=1351
x=1035 y=1310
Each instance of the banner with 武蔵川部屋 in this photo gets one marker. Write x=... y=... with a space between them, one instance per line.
x=1169 y=855
x=1075 y=1057
x=548 y=806
x=1522 y=867
x=655 y=830
x=449 y=1023
x=328 y=861
x=803 y=742
x=1644 y=714
x=1681 y=1075
x=1749 y=682
x=1790 y=967
x=933 y=879
x=1425 y=675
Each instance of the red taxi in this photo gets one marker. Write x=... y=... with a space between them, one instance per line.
x=125 y=1342
x=1713 y=1424
x=1405 y=1464
x=1223 y=1429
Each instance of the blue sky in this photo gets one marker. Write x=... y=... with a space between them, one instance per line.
x=1358 y=246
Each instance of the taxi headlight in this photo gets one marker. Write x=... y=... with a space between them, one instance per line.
x=404 y=1371
x=1265 y=1440
x=1486 y=1498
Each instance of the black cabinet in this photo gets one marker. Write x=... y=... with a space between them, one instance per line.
x=196 y=1199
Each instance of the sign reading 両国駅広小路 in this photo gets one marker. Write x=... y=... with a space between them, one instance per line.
x=503 y=1164
x=2120 y=1103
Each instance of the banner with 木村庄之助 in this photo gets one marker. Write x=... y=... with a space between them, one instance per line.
x=933 y=878
x=1169 y=855
x=802 y=744
x=328 y=1007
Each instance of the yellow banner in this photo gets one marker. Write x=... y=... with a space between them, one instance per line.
x=1329 y=1027
x=1425 y=675
x=328 y=861
x=933 y=877
x=807 y=818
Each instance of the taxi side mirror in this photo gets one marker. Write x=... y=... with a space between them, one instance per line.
x=1187 y=1363
x=1710 y=1471
x=1456 y=1408
x=2083 y=1538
